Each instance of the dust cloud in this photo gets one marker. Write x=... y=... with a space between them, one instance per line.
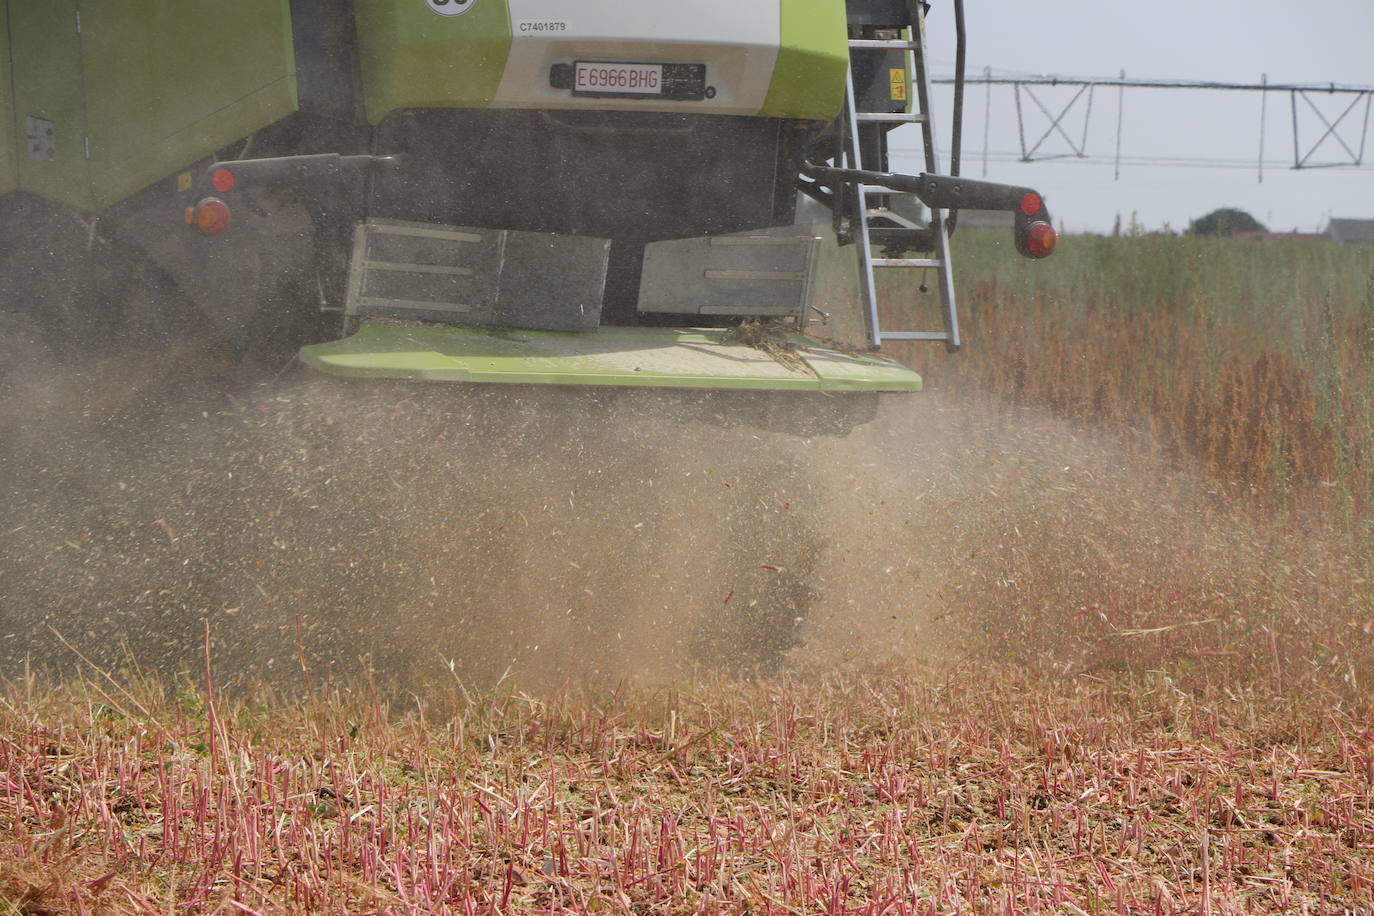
x=546 y=535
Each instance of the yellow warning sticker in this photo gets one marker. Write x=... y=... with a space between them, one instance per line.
x=184 y=181
x=897 y=80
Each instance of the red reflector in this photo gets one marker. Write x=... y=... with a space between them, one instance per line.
x=1041 y=240
x=223 y=180
x=212 y=216
x=1030 y=203
x=190 y=215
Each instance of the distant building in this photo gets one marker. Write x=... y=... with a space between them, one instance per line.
x=1350 y=231
x=1253 y=236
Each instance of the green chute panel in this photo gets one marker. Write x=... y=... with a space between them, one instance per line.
x=113 y=95
x=9 y=156
x=627 y=357
x=813 y=57
x=413 y=57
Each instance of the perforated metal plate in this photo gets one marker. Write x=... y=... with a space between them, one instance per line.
x=766 y=272
x=427 y=272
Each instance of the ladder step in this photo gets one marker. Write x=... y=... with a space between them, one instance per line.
x=904 y=238
x=877 y=213
x=895 y=117
x=913 y=335
x=906 y=262
x=879 y=189
x=891 y=44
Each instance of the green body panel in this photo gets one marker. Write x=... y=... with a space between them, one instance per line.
x=151 y=86
x=46 y=66
x=169 y=83
x=813 y=57
x=638 y=357
x=412 y=58
x=9 y=152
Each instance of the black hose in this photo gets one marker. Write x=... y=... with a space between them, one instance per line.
x=957 y=131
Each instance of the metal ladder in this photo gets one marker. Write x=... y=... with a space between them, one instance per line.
x=850 y=148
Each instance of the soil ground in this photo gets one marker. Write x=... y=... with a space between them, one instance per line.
x=531 y=650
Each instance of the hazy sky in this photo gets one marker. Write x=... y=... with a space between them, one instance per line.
x=1228 y=40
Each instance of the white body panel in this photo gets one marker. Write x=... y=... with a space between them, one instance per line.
x=737 y=40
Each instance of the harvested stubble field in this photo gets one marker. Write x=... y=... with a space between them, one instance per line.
x=1092 y=637
x=1255 y=359
x=988 y=790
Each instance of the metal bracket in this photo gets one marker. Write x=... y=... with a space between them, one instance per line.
x=1056 y=123
x=1356 y=158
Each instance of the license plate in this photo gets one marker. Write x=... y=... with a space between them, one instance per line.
x=676 y=82
x=590 y=78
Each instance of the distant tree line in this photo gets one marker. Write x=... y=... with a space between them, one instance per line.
x=1226 y=221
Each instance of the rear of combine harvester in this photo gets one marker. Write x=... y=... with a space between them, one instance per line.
x=510 y=190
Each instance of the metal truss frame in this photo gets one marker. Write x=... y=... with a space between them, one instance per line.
x=1348 y=130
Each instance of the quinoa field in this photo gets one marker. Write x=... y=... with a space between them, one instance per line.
x=1087 y=627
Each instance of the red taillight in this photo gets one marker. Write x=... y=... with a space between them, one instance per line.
x=1041 y=240
x=1030 y=203
x=212 y=216
x=223 y=180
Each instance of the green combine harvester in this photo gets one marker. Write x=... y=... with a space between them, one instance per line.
x=531 y=191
